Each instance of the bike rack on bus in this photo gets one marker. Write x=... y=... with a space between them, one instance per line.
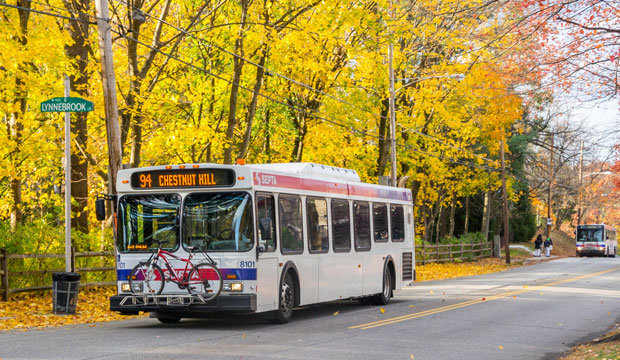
x=168 y=300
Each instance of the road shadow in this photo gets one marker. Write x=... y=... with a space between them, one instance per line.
x=238 y=322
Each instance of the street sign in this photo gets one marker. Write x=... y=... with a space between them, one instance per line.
x=67 y=104
x=549 y=221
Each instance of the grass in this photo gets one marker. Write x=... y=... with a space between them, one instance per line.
x=605 y=348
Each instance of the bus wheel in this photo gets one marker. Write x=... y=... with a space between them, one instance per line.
x=286 y=302
x=383 y=298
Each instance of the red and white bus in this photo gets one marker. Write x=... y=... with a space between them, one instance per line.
x=596 y=239
x=282 y=235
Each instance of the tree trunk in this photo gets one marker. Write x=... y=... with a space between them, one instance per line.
x=452 y=210
x=466 y=227
x=268 y=136
x=15 y=126
x=298 y=147
x=384 y=136
x=260 y=72
x=78 y=53
x=234 y=90
x=486 y=216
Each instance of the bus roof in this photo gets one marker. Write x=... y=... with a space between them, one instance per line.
x=310 y=169
x=304 y=177
x=595 y=226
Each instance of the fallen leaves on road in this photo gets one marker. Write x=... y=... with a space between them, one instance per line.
x=28 y=311
x=437 y=271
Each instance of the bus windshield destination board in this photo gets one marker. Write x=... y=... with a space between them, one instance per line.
x=190 y=178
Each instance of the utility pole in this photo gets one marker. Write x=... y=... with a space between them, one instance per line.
x=392 y=106
x=109 y=91
x=580 y=183
x=551 y=176
x=505 y=204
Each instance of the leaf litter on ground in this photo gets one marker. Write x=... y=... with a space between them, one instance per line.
x=34 y=310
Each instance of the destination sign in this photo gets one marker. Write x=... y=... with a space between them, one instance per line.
x=586 y=227
x=189 y=178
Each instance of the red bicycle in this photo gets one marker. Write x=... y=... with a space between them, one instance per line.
x=148 y=278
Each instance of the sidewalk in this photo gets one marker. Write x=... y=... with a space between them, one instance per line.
x=540 y=258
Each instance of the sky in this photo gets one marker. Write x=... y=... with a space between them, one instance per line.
x=604 y=119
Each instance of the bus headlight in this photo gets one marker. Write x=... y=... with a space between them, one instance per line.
x=233 y=287
x=125 y=287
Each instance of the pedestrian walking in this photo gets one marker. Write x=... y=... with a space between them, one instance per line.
x=548 y=246
x=537 y=244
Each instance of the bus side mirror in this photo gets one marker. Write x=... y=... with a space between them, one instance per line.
x=100 y=208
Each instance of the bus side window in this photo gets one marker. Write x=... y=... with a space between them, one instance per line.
x=291 y=224
x=266 y=219
x=380 y=222
x=341 y=225
x=318 y=236
x=397 y=219
x=361 y=223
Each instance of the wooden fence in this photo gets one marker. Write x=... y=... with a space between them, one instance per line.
x=5 y=274
x=429 y=253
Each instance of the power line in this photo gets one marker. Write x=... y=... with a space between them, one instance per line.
x=49 y=14
x=350 y=128
x=308 y=87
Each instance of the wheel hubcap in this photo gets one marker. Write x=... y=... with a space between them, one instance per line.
x=287 y=298
x=386 y=285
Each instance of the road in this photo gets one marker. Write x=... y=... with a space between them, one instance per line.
x=531 y=312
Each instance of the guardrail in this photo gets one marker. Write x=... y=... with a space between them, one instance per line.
x=429 y=253
x=5 y=274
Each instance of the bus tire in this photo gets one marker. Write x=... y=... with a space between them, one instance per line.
x=286 y=301
x=169 y=319
x=383 y=298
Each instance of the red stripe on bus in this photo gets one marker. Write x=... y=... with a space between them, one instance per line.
x=291 y=182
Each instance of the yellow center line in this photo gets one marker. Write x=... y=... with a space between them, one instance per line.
x=398 y=319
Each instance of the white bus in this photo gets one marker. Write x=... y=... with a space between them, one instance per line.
x=282 y=235
x=596 y=239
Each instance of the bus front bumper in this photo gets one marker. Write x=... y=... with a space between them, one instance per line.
x=131 y=304
x=591 y=251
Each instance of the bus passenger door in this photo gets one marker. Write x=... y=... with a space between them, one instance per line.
x=267 y=259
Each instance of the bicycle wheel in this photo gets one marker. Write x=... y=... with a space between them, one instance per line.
x=146 y=279
x=205 y=280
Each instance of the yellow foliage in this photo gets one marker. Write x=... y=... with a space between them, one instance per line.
x=439 y=271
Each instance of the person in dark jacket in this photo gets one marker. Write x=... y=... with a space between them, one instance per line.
x=548 y=246
x=537 y=244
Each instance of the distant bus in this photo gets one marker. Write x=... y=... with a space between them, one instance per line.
x=282 y=235
x=596 y=239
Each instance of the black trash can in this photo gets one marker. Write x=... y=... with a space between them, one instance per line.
x=65 y=286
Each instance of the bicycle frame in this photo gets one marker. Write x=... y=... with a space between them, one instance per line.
x=182 y=280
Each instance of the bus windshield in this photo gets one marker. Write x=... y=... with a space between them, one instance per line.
x=144 y=219
x=218 y=221
x=590 y=235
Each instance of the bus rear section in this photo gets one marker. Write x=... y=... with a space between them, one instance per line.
x=596 y=240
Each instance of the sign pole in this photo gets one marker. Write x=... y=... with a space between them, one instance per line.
x=67 y=104
x=67 y=179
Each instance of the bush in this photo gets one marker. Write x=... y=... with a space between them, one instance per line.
x=40 y=237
